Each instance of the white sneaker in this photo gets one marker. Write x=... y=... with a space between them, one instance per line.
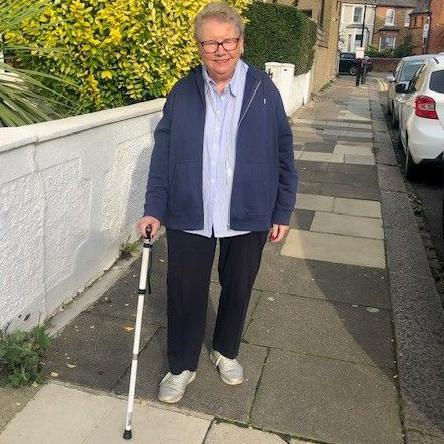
x=172 y=387
x=231 y=372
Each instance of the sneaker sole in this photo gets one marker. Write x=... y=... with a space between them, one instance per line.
x=174 y=400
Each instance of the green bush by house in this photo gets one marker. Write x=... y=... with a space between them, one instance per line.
x=116 y=51
x=277 y=33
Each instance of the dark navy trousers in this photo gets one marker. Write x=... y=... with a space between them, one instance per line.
x=190 y=259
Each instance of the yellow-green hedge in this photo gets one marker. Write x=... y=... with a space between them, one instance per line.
x=116 y=51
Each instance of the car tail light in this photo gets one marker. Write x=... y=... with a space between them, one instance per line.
x=425 y=107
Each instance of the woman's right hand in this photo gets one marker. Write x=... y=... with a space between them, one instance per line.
x=148 y=221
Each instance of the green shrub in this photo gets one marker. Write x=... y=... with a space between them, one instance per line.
x=116 y=51
x=20 y=356
x=405 y=49
x=278 y=33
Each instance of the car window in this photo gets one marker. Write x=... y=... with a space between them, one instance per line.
x=415 y=83
x=421 y=78
x=408 y=70
x=398 y=70
x=437 y=81
x=348 y=56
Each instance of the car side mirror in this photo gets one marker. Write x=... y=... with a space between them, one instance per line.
x=390 y=78
x=401 y=88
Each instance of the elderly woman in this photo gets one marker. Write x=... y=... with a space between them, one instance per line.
x=222 y=169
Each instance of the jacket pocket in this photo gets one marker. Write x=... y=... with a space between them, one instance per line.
x=252 y=188
x=186 y=189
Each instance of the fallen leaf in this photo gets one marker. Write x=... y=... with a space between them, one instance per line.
x=128 y=328
x=54 y=375
x=71 y=365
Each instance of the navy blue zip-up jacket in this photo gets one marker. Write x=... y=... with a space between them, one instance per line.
x=264 y=181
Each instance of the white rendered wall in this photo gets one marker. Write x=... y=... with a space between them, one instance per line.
x=300 y=93
x=71 y=191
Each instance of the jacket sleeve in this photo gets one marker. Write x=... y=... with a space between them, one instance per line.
x=156 y=197
x=286 y=196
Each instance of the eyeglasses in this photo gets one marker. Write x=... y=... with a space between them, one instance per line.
x=211 y=46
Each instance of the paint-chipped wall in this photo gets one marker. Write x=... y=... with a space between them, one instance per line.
x=71 y=191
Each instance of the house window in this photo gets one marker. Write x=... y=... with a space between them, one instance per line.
x=407 y=18
x=387 y=42
x=390 y=17
x=358 y=41
x=357 y=14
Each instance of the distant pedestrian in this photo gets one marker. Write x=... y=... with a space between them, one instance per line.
x=359 y=71
x=222 y=169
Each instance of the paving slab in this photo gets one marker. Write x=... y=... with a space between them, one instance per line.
x=330 y=401
x=348 y=225
x=120 y=301
x=207 y=393
x=322 y=280
x=357 y=207
x=65 y=415
x=338 y=177
x=308 y=187
x=320 y=147
x=95 y=350
x=353 y=149
x=349 y=191
x=359 y=159
x=314 y=202
x=323 y=328
x=13 y=400
x=301 y=219
x=322 y=157
x=334 y=248
x=223 y=433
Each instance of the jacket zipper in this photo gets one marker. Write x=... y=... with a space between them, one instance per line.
x=237 y=135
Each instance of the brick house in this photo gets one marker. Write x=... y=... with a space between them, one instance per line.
x=392 y=23
x=427 y=26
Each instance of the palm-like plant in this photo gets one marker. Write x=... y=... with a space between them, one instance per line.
x=24 y=99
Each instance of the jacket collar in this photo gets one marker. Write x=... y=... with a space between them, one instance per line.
x=251 y=82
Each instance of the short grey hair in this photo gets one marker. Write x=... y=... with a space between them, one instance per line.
x=220 y=11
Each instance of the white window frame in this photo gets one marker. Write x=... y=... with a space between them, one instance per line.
x=387 y=36
x=407 y=18
x=361 y=18
x=390 y=13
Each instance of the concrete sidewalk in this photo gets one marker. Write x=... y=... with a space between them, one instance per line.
x=318 y=346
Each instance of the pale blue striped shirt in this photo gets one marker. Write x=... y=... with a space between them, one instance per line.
x=219 y=151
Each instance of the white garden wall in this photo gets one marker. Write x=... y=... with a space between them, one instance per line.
x=71 y=191
x=300 y=93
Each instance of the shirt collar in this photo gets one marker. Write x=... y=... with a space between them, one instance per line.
x=235 y=83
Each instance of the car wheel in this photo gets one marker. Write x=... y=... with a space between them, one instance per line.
x=353 y=70
x=411 y=169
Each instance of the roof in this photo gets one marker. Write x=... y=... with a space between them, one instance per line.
x=421 y=7
x=397 y=3
x=370 y=3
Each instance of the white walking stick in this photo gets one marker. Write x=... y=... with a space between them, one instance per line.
x=145 y=271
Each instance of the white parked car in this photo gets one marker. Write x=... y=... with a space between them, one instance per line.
x=404 y=72
x=421 y=115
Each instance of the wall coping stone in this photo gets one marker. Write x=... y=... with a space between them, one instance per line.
x=15 y=137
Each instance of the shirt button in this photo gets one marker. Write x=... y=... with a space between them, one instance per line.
x=212 y=181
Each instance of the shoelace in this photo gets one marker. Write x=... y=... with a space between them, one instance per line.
x=226 y=363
